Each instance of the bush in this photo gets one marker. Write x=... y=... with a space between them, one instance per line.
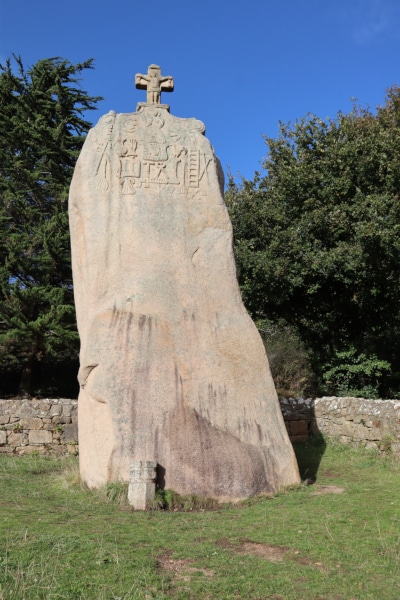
x=353 y=374
x=288 y=359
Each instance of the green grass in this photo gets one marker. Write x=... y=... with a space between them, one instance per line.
x=59 y=540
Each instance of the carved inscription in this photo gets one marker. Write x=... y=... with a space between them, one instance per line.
x=151 y=157
x=142 y=150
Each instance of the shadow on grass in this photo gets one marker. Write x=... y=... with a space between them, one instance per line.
x=309 y=455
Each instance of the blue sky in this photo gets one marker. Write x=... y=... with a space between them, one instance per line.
x=240 y=67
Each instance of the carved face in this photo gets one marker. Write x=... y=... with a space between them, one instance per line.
x=153 y=73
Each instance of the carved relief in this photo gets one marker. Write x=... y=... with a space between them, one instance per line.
x=104 y=149
x=154 y=83
x=146 y=150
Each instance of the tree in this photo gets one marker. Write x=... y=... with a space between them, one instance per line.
x=41 y=133
x=317 y=238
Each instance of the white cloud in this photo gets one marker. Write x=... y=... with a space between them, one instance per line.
x=372 y=20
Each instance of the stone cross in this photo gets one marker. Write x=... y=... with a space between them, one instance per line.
x=154 y=83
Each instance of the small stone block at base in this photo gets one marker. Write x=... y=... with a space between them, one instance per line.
x=142 y=486
x=140 y=494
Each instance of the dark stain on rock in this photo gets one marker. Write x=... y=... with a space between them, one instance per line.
x=142 y=322
x=156 y=440
x=212 y=394
x=127 y=330
x=219 y=460
x=179 y=394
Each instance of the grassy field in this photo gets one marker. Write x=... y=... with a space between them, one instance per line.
x=338 y=539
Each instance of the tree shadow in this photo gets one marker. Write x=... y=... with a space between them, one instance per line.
x=309 y=455
x=160 y=477
x=309 y=452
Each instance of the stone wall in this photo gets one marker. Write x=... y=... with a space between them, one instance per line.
x=372 y=423
x=45 y=426
x=52 y=425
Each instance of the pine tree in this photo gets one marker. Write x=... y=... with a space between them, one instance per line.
x=41 y=133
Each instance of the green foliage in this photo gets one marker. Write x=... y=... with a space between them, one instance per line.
x=288 y=359
x=357 y=375
x=59 y=429
x=317 y=238
x=171 y=500
x=116 y=492
x=41 y=133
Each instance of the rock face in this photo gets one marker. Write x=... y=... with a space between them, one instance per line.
x=172 y=369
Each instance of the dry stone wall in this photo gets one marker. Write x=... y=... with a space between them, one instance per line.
x=51 y=426
x=372 y=423
x=44 y=426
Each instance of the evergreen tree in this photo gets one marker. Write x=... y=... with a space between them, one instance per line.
x=42 y=130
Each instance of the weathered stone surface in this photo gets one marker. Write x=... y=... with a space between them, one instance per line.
x=31 y=423
x=70 y=433
x=299 y=428
x=17 y=439
x=61 y=420
x=30 y=449
x=42 y=436
x=142 y=486
x=172 y=368
x=25 y=409
x=44 y=407
x=3 y=437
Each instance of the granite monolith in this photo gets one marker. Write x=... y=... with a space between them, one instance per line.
x=172 y=368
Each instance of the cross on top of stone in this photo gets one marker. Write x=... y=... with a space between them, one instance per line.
x=154 y=83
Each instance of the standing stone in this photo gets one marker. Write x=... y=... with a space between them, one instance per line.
x=172 y=369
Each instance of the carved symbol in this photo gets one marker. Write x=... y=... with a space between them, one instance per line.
x=130 y=124
x=154 y=173
x=103 y=170
x=130 y=167
x=194 y=161
x=205 y=163
x=177 y=164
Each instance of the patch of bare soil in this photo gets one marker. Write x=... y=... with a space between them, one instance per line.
x=327 y=489
x=302 y=560
x=266 y=551
x=329 y=474
x=180 y=568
